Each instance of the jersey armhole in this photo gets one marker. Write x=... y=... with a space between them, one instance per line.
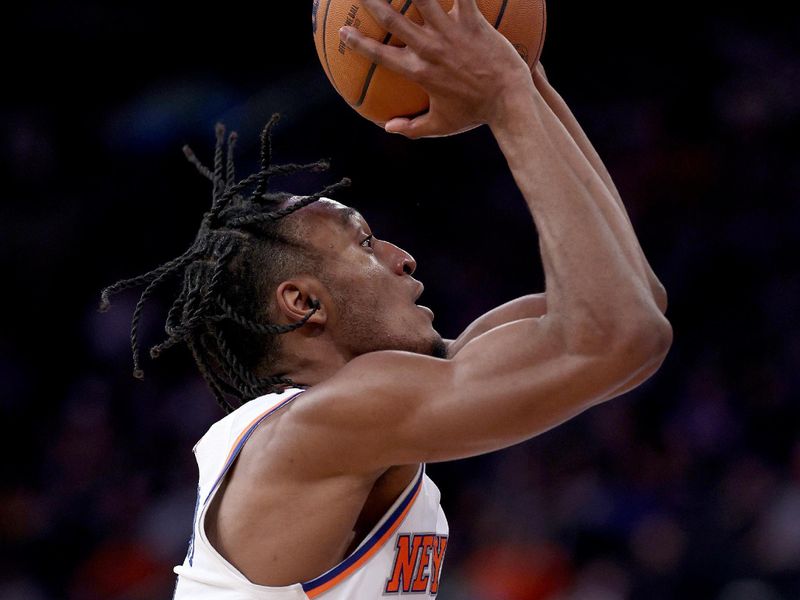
x=371 y=543
x=205 y=503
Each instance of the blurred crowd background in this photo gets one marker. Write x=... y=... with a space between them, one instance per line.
x=688 y=487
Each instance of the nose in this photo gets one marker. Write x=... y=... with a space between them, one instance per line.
x=409 y=265
x=402 y=262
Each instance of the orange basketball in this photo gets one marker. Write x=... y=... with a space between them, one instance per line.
x=380 y=94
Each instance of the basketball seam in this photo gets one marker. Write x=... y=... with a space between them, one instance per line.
x=370 y=73
x=325 y=46
x=501 y=13
x=374 y=66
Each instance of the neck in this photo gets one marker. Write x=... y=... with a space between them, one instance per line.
x=310 y=361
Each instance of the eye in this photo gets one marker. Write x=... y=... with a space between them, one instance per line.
x=367 y=239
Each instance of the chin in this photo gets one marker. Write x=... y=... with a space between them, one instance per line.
x=429 y=344
x=438 y=348
x=435 y=347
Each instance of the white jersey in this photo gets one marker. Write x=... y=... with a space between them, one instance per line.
x=403 y=554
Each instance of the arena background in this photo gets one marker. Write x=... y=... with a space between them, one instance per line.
x=688 y=487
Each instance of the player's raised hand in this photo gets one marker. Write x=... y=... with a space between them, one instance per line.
x=465 y=65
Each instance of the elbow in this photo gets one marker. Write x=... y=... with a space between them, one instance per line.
x=660 y=296
x=635 y=341
x=636 y=334
x=646 y=340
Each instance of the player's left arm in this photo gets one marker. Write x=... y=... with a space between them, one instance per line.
x=530 y=306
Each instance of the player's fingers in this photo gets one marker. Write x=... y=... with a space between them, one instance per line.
x=432 y=13
x=425 y=125
x=538 y=71
x=467 y=8
x=393 y=21
x=380 y=54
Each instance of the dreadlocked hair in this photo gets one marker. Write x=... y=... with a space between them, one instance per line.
x=244 y=247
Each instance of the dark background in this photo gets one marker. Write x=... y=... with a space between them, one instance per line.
x=688 y=487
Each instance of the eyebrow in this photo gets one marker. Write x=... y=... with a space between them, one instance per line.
x=345 y=215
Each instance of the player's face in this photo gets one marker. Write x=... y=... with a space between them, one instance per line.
x=371 y=282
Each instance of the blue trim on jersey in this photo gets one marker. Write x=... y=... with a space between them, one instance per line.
x=190 y=552
x=242 y=441
x=343 y=566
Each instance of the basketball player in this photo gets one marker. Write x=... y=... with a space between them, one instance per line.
x=315 y=486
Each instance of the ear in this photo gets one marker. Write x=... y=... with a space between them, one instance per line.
x=294 y=298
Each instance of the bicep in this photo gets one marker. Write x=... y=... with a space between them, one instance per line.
x=505 y=386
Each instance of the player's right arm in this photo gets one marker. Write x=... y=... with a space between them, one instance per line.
x=602 y=327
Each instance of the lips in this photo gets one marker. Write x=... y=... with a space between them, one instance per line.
x=420 y=289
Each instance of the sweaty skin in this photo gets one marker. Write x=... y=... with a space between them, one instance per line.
x=307 y=487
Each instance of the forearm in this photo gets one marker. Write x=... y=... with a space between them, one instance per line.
x=530 y=306
x=567 y=118
x=589 y=250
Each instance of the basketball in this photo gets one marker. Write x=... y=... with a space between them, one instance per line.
x=379 y=94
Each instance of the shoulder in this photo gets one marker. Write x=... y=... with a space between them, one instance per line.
x=376 y=385
x=228 y=434
x=355 y=422
x=349 y=421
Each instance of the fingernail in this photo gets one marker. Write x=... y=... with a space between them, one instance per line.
x=344 y=33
